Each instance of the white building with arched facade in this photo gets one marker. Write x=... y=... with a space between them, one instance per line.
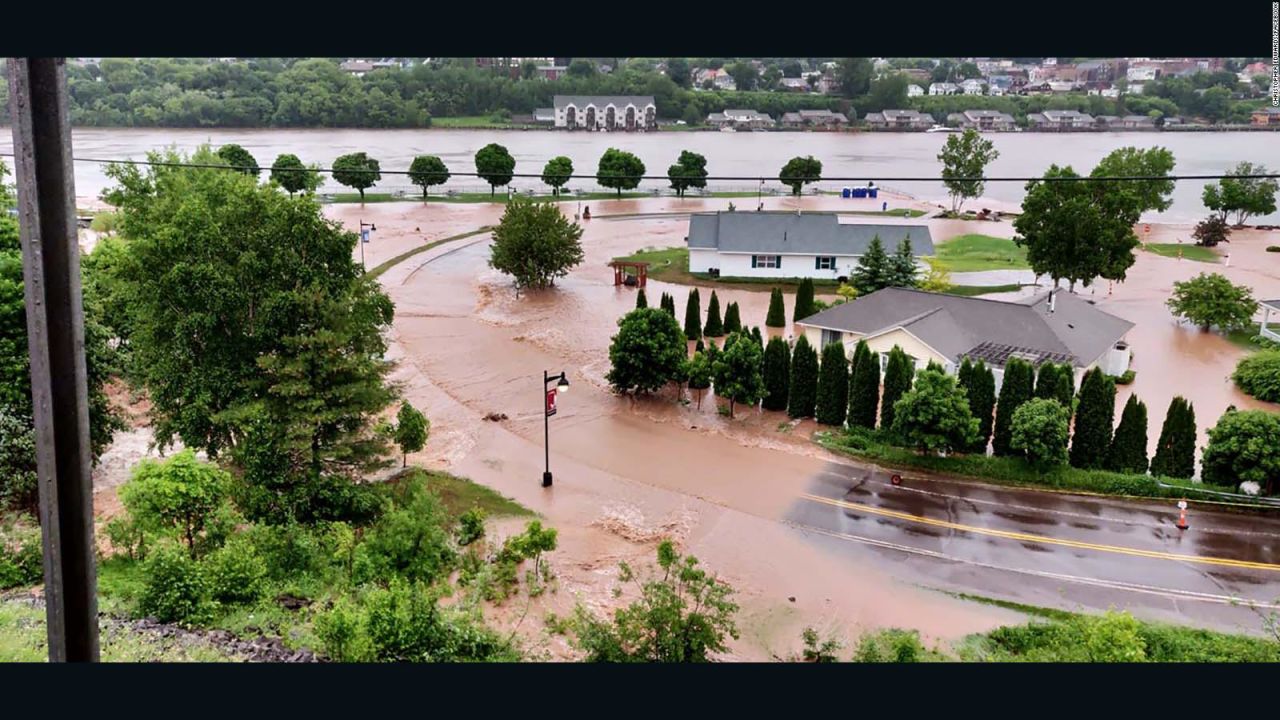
x=606 y=112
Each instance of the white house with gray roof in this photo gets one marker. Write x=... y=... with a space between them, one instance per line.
x=1057 y=327
x=790 y=245
x=1266 y=331
x=606 y=112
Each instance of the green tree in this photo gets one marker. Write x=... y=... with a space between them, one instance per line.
x=864 y=387
x=428 y=170
x=804 y=301
x=1040 y=433
x=732 y=321
x=18 y=482
x=291 y=331
x=964 y=158
x=1094 y=420
x=777 y=374
x=1211 y=231
x=755 y=335
x=1047 y=381
x=833 y=385
x=619 y=170
x=745 y=76
x=1259 y=375
x=1210 y=299
x=698 y=372
x=1076 y=232
x=737 y=372
x=581 y=68
x=854 y=76
x=777 y=316
x=678 y=71
x=495 y=166
x=803 y=386
x=902 y=266
x=874 y=270
x=1176 y=449
x=980 y=387
x=800 y=171
x=1015 y=389
x=641 y=300
x=1242 y=194
x=239 y=159
x=357 y=170
x=714 y=327
x=1128 y=451
x=934 y=414
x=888 y=92
x=535 y=244
x=289 y=172
x=690 y=171
x=684 y=614
x=178 y=494
x=1149 y=195
x=412 y=428
x=557 y=172
x=669 y=304
x=1244 y=447
x=693 y=316
x=899 y=371
x=647 y=353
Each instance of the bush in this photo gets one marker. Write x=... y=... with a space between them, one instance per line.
x=411 y=541
x=235 y=572
x=175 y=589
x=1244 y=446
x=470 y=526
x=21 y=557
x=179 y=494
x=1259 y=375
x=1040 y=432
x=890 y=646
x=342 y=634
x=289 y=550
x=1124 y=379
x=127 y=536
x=1273 y=248
x=19 y=489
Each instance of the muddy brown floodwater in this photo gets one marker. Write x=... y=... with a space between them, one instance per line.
x=627 y=470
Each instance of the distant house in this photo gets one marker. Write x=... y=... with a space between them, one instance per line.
x=1265 y=116
x=552 y=72
x=1050 y=327
x=1268 y=307
x=545 y=115
x=944 y=88
x=1060 y=120
x=971 y=87
x=984 y=120
x=914 y=90
x=1138 y=122
x=356 y=67
x=794 y=85
x=1062 y=86
x=787 y=245
x=1107 y=122
x=740 y=120
x=898 y=120
x=814 y=118
x=605 y=112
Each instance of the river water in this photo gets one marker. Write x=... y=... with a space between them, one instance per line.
x=867 y=156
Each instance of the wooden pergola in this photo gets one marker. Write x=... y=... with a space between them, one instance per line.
x=620 y=268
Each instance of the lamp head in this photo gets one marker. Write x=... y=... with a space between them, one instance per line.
x=563 y=385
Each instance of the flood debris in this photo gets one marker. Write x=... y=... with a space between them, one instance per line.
x=495 y=417
x=627 y=522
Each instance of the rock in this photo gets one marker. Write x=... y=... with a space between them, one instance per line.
x=792 y=598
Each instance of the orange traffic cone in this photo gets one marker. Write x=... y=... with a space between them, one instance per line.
x=1182 y=515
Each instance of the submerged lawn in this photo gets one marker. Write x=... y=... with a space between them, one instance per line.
x=1189 y=251
x=974 y=253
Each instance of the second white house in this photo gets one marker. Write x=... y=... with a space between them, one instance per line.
x=791 y=245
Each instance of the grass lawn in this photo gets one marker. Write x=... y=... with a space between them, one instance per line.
x=974 y=253
x=896 y=212
x=460 y=495
x=468 y=121
x=972 y=290
x=672 y=265
x=1244 y=337
x=23 y=639
x=1189 y=251
x=375 y=272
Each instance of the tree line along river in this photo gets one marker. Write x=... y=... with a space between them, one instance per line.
x=866 y=156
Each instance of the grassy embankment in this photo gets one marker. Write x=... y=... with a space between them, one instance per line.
x=594 y=196
x=383 y=267
x=976 y=253
x=1189 y=252
x=873 y=446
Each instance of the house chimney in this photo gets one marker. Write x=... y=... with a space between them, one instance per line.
x=1052 y=301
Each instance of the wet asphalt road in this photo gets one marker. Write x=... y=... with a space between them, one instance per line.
x=1065 y=551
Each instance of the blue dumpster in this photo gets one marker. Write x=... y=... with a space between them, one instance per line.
x=874 y=192
x=845 y=193
x=860 y=192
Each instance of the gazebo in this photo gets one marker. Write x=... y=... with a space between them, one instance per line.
x=620 y=268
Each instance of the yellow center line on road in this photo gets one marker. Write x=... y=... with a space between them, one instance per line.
x=1028 y=537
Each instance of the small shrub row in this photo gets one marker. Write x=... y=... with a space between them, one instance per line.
x=1273 y=248
x=1259 y=375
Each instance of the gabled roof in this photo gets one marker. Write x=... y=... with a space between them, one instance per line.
x=1273 y=304
x=991 y=329
x=811 y=233
x=602 y=100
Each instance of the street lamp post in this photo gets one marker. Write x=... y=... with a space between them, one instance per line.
x=364 y=238
x=549 y=409
x=760 y=196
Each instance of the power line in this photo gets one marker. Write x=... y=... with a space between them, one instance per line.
x=731 y=178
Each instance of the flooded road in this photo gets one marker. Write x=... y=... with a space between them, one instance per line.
x=739 y=493
x=868 y=156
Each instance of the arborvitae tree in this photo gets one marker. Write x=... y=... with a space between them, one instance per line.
x=981 y=391
x=860 y=352
x=755 y=335
x=1016 y=389
x=641 y=300
x=693 y=316
x=898 y=374
x=732 y=322
x=902 y=266
x=777 y=313
x=1128 y=451
x=714 y=327
x=777 y=374
x=803 y=388
x=1095 y=419
x=864 y=387
x=873 y=271
x=1176 y=449
x=669 y=303
x=833 y=385
x=804 y=300
x=964 y=376
x=699 y=347
x=1047 y=381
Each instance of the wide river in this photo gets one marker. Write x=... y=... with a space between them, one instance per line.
x=867 y=156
